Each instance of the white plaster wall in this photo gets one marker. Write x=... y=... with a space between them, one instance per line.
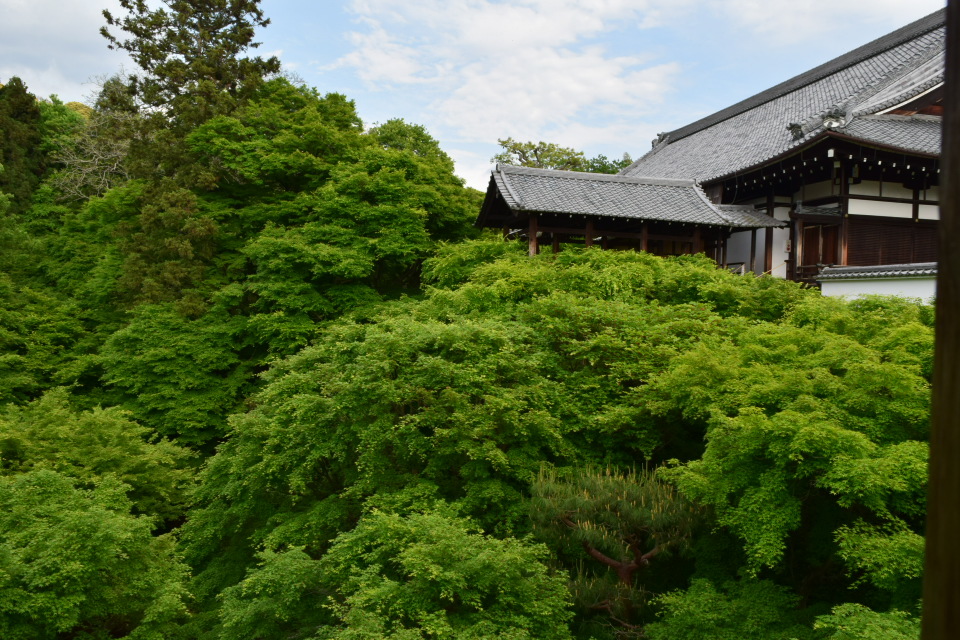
x=866 y=188
x=738 y=248
x=923 y=288
x=929 y=212
x=896 y=190
x=885 y=209
x=781 y=238
x=817 y=190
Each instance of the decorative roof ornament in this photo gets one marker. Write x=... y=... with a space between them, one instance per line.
x=796 y=130
x=835 y=118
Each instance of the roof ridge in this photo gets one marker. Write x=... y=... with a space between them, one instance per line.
x=596 y=177
x=932 y=57
x=884 y=43
x=896 y=117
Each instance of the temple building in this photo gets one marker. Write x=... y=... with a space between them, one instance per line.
x=835 y=168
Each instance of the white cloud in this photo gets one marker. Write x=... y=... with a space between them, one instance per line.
x=788 y=22
x=54 y=46
x=539 y=92
x=526 y=69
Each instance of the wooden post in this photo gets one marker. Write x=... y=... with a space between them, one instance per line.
x=768 y=238
x=753 y=250
x=941 y=579
x=697 y=242
x=645 y=231
x=533 y=243
x=844 y=217
x=556 y=242
x=723 y=251
x=796 y=257
x=588 y=234
x=844 y=238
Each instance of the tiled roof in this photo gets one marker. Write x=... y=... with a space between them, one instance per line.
x=867 y=80
x=915 y=270
x=604 y=195
x=912 y=133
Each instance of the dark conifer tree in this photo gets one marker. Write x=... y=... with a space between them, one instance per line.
x=20 y=154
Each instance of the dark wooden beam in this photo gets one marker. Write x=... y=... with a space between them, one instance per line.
x=816 y=202
x=941 y=580
x=753 y=250
x=644 y=236
x=588 y=238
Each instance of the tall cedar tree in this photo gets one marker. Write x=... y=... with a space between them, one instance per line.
x=191 y=53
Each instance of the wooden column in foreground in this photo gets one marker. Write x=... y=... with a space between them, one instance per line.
x=588 y=234
x=645 y=234
x=941 y=579
x=753 y=250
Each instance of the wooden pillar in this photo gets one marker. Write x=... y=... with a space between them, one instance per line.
x=768 y=238
x=556 y=242
x=844 y=216
x=723 y=251
x=533 y=242
x=644 y=235
x=753 y=250
x=796 y=257
x=697 y=241
x=844 y=213
x=844 y=238
x=588 y=235
x=941 y=576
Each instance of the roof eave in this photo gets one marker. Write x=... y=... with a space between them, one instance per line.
x=824 y=135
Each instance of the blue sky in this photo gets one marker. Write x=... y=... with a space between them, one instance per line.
x=603 y=76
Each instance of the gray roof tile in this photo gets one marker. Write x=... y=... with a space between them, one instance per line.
x=913 y=133
x=869 y=79
x=604 y=195
x=914 y=270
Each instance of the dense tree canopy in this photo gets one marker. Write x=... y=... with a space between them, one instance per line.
x=260 y=378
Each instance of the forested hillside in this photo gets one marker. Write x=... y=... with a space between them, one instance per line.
x=260 y=378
